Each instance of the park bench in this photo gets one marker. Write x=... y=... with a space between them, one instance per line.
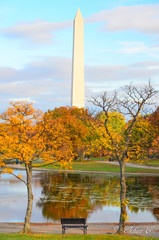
x=74 y=223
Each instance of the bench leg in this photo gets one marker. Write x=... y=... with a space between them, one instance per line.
x=63 y=230
x=85 y=230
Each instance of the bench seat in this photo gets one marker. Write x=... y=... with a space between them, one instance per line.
x=74 y=223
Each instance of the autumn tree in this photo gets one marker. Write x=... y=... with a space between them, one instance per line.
x=131 y=102
x=153 y=119
x=141 y=141
x=80 y=128
x=25 y=137
x=116 y=124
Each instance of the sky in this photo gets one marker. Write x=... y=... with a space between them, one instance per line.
x=121 y=46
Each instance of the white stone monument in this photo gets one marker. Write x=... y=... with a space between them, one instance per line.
x=77 y=95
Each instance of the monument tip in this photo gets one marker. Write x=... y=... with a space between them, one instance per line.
x=78 y=13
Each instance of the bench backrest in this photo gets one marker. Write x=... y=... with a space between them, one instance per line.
x=73 y=221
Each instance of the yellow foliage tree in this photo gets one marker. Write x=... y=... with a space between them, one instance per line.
x=131 y=103
x=116 y=125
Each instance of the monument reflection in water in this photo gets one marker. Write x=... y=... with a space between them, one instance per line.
x=79 y=195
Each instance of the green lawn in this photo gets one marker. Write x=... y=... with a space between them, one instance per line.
x=148 y=162
x=153 y=162
x=104 y=166
x=97 y=166
x=68 y=237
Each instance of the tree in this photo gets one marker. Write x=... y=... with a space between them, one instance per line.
x=80 y=128
x=141 y=140
x=25 y=137
x=116 y=124
x=154 y=121
x=131 y=103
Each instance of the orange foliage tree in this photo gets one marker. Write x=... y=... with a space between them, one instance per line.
x=25 y=136
x=80 y=127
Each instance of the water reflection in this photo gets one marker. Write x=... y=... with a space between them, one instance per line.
x=72 y=195
x=95 y=197
x=79 y=195
x=143 y=194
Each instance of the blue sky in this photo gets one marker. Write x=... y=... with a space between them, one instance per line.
x=121 y=46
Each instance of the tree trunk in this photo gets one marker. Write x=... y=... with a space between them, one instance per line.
x=123 y=212
x=27 y=228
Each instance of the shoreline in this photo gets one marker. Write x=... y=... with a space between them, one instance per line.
x=88 y=223
x=20 y=167
x=148 y=229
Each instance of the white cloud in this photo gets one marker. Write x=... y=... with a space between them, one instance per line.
x=133 y=47
x=22 y=89
x=137 y=47
x=143 y=18
x=48 y=82
x=115 y=73
x=7 y=73
x=49 y=68
x=38 y=31
x=22 y=99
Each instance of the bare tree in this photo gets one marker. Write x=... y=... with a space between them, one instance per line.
x=132 y=102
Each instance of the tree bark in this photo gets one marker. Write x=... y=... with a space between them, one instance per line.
x=27 y=227
x=123 y=212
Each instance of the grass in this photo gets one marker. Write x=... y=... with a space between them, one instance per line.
x=153 y=162
x=17 y=236
x=149 y=162
x=104 y=166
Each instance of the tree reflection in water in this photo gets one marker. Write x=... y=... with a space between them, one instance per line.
x=78 y=195
x=143 y=194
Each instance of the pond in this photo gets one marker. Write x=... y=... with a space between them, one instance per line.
x=93 y=196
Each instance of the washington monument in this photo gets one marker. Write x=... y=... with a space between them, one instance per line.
x=77 y=95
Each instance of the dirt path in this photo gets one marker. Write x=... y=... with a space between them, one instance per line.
x=138 y=229
x=133 y=165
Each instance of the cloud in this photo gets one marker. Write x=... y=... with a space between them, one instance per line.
x=38 y=31
x=137 y=47
x=143 y=18
x=146 y=64
x=47 y=82
x=56 y=67
x=133 y=47
x=49 y=68
x=116 y=73
x=7 y=73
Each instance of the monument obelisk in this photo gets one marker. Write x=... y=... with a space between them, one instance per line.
x=77 y=95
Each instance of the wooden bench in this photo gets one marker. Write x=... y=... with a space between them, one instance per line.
x=74 y=223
